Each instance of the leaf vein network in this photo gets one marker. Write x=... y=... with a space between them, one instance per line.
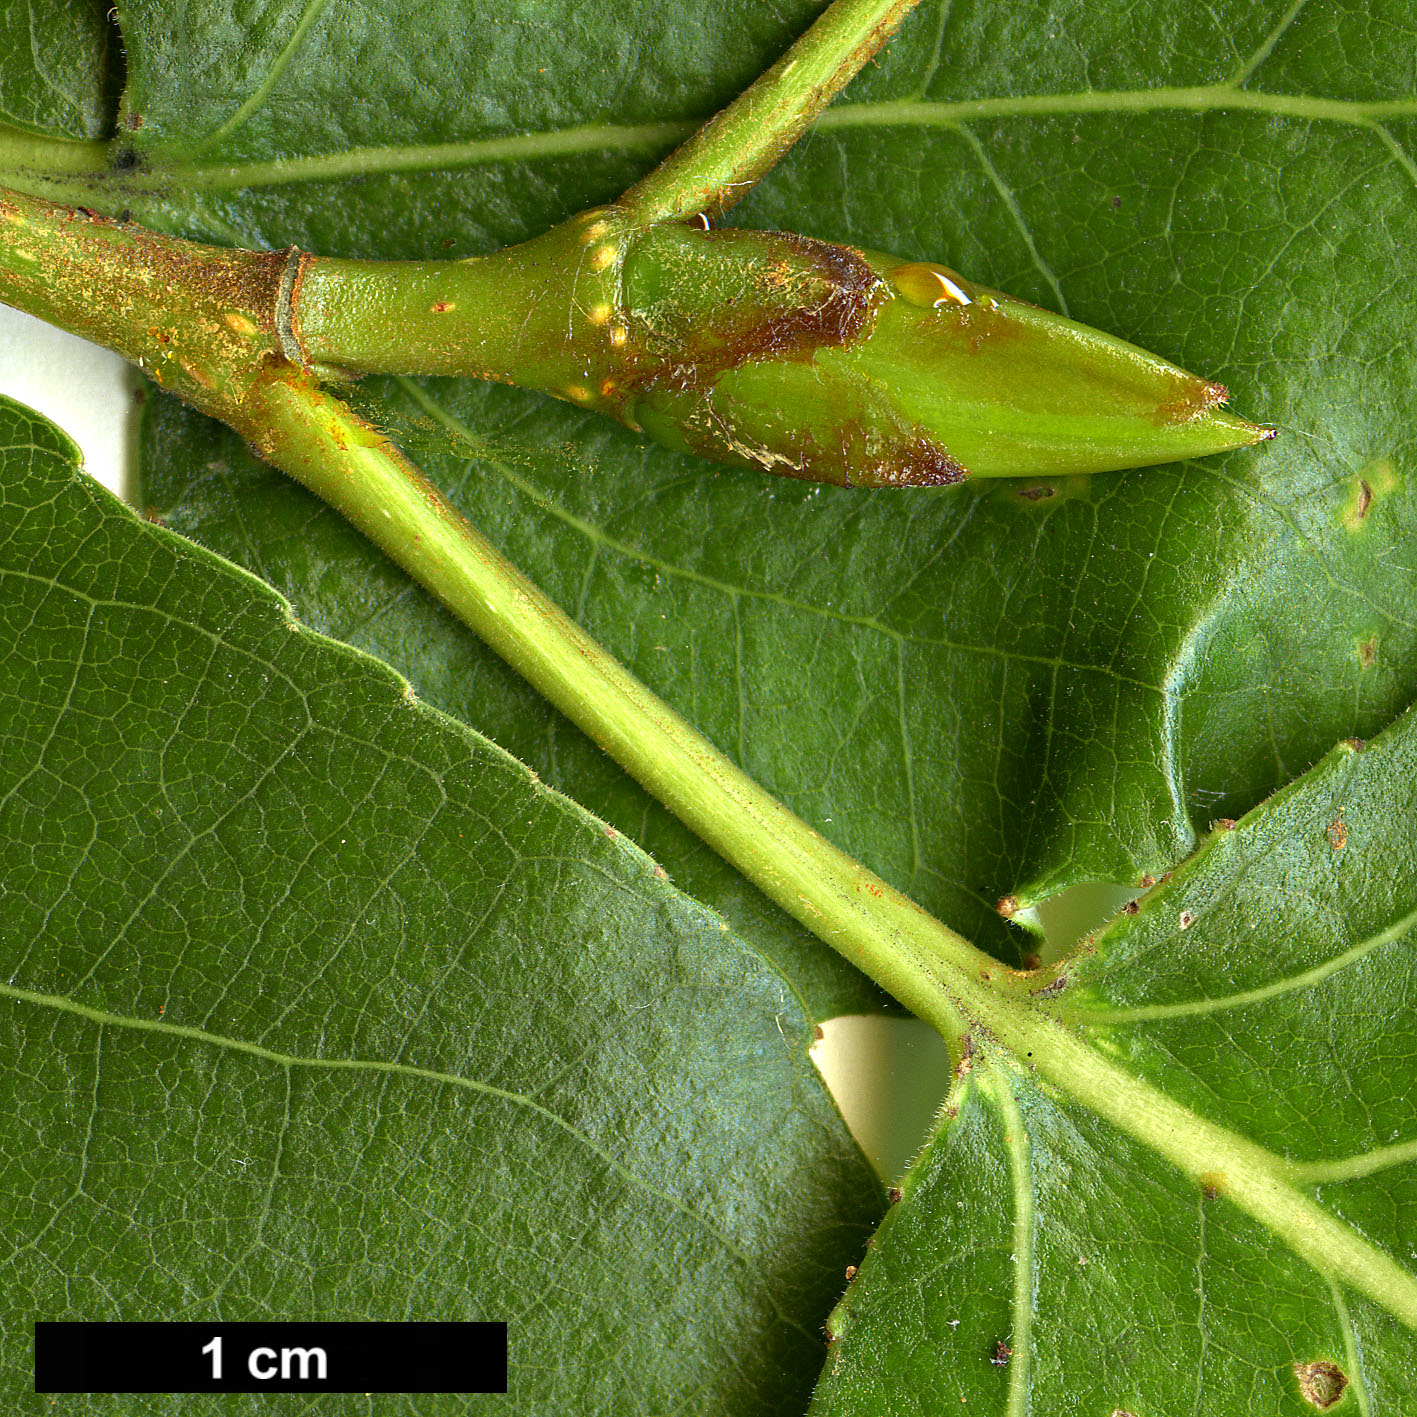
x=287 y=1061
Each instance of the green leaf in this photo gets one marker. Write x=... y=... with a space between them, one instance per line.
x=319 y=1005
x=59 y=68
x=978 y=692
x=981 y=693
x=201 y=480
x=1267 y=988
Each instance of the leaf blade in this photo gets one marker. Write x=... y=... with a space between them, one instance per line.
x=59 y=73
x=321 y=1004
x=1290 y=943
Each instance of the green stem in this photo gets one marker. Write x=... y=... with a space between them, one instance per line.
x=929 y=968
x=198 y=319
x=218 y=327
x=733 y=150
x=315 y=438
x=517 y=315
x=933 y=971
x=226 y=350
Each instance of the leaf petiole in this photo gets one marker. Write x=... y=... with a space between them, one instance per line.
x=725 y=158
x=313 y=436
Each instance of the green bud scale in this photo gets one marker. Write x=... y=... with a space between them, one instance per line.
x=774 y=351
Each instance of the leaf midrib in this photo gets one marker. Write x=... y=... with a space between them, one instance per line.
x=1024 y=1241
x=104 y=1018
x=22 y=153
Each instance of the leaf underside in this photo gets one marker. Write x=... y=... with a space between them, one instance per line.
x=979 y=692
x=319 y=1005
x=1268 y=987
x=59 y=68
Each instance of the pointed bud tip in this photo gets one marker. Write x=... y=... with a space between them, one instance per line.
x=1215 y=396
x=1213 y=429
x=1250 y=433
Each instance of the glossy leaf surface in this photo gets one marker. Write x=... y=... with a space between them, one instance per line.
x=318 y=1005
x=1267 y=986
x=978 y=691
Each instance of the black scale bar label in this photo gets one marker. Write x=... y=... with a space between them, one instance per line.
x=270 y=1357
